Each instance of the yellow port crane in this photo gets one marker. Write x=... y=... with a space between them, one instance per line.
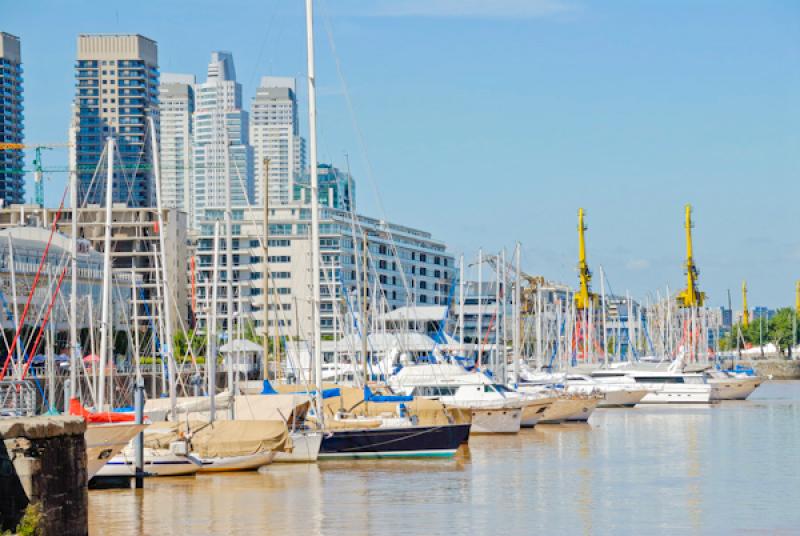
x=690 y=296
x=745 y=311
x=584 y=295
x=38 y=170
x=797 y=297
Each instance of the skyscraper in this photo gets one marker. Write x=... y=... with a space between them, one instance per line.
x=12 y=179
x=219 y=120
x=176 y=105
x=275 y=135
x=116 y=93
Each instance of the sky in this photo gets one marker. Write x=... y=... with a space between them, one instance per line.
x=488 y=123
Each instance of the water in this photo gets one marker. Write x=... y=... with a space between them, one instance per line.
x=729 y=468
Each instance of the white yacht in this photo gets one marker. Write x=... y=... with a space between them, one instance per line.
x=616 y=393
x=732 y=385
x=494 y=408
x=665 y=386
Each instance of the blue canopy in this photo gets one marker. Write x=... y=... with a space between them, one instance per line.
x=267 y=389
x=369 y=396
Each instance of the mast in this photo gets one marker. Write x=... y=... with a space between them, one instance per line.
x=364 y=297
x=312 y=154
x=228 y=263
x=461 y=305
x=106 y=294
x=479 y=327
x=603 y=311
x=516 y=317
x=75 y=352
x=211 y=328
x=265 y=249
x=173 y=395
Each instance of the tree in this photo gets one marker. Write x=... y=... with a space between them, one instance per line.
x=782 y=330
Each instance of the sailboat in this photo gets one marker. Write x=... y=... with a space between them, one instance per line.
x=347 y=435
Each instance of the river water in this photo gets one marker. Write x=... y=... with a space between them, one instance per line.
x=731 y=468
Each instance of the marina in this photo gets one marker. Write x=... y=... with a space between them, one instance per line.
x=733 y=467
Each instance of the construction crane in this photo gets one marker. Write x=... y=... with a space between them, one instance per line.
x=38 y=170
x=690 y=296
x=745 y=311
x=584 y=295
x=527 y=293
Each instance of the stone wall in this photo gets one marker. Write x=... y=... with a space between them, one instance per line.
x=43 y=462
x=779 y=369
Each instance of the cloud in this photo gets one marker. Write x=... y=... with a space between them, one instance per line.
x=637 y=265
x=481 y=9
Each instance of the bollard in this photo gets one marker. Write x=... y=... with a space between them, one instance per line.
x=139 y=444
x=67 y=391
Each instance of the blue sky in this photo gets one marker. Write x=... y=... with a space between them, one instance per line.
x=490 y=122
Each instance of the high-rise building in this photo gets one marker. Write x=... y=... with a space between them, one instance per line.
x=176 y=105
x=219 y=120
x=12 y=179
x=336 y=188
x=116 y=93
x=275 y=135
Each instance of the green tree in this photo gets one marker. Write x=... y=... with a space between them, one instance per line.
x=782 y=330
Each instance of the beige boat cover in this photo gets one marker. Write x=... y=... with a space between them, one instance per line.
x=222 y=438
x=240 y=438
x=271 y=407
x=428 y=412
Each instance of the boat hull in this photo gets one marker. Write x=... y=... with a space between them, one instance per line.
x=585 y=410
x=622 y=398
x=155 y=464
x=400 y=442
x=533 y=412
x=105 y=441
x=496 y=421
x=305 y=448
x=733 y=388
x=678 y=394
x=237 y=463
x=560 y=410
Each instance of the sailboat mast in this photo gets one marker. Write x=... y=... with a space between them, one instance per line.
x=312 y=156
x=228 y=262
x=516 y=317
x=211 y=328
x=106 y=294
x=167 y=309
x=75 y=353
x=461 y=306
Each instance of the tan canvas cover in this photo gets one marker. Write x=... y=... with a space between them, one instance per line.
x=428 y=412
x=271 y=407
x=240 y=438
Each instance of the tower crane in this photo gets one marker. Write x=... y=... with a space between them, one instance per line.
x=690 y=296
x=745 y=311
x=38 y=170
x=584 y=295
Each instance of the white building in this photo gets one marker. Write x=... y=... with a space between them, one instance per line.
x=406 y=267
x=219 y=120
x=275 y=135
x=175 y=109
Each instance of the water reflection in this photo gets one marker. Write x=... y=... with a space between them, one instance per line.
x=662 y=470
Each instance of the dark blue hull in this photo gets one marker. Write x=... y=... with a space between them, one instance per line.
x=403 y=442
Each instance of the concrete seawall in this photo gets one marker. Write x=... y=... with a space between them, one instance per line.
x=779 y=369
x=43 y=463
